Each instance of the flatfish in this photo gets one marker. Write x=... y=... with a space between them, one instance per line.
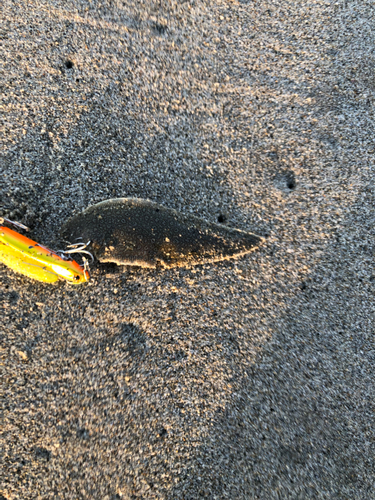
x=139 y=232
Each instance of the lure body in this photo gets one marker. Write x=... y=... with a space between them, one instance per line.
x=138 y=232
x=28 y=257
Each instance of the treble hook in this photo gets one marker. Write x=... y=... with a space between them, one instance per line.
x=86 y=266
x=76 y=248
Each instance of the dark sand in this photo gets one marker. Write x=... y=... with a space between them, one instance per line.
x=247 y=379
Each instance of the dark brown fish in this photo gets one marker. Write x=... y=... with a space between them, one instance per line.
x=139 y=232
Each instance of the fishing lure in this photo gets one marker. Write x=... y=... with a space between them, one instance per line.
x=138 y=232
x=28 y=257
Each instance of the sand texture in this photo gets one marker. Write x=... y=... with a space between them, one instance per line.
x=244 y=379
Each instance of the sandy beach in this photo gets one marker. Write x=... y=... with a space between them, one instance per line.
x=246 y=379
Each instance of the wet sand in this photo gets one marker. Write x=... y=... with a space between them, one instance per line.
x=245 y=379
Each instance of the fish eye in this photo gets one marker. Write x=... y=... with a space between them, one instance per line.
x=76 y=277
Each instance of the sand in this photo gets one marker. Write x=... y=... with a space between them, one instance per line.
x=246 y=379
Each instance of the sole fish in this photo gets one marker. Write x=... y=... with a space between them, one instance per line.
x=139 y=232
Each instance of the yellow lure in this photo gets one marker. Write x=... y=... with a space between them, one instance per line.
x=28 y=257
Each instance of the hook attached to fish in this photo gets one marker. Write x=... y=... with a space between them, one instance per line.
x=127 y=231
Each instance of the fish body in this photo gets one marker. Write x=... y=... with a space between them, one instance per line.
x=134 y=231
